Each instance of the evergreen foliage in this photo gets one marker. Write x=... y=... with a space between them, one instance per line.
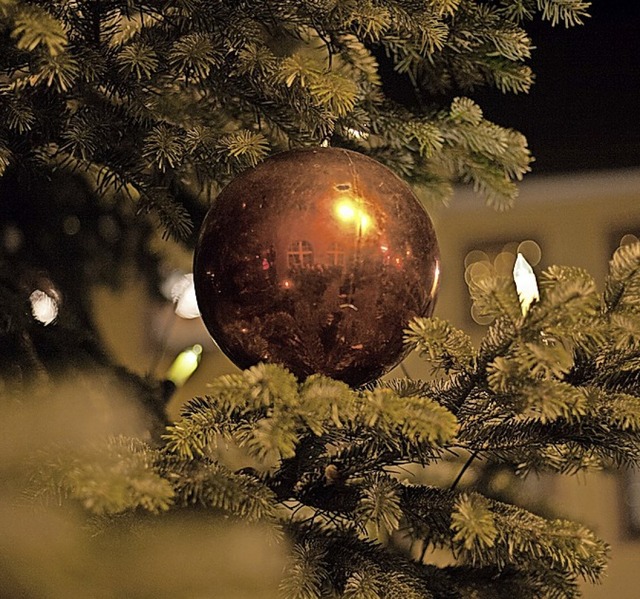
x=153 y=95
x=157 y=103
x=323 y=459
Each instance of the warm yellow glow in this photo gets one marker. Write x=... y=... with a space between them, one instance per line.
x=185 y=364
x=348 y=211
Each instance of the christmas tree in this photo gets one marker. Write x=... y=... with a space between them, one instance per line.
x=121 y=119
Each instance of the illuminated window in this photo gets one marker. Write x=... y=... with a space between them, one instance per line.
x=300 y=253
x=335 y=255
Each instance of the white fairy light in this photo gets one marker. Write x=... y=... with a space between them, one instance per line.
x=183 y=294
x=526 y=283
x=43 y=307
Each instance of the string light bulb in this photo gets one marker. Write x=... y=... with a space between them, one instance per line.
x=526 y=283
x=185 y=364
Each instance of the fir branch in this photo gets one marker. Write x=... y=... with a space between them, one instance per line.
x=380 y=504
x=34 y=27
x=246 y=147
x=173 y=216
x=344 y=556
x=117 y=476
x=417 y=419
x=473 y=524
x=307 y=574
x=490 y=533
x=5 y=157
x=570 y=12
x=446 y=348
x=209 y=484
x=495 y=297
x=196 y=432
x=568 y=301
x=622 y=286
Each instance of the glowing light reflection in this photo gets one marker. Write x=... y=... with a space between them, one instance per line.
x=349 y=211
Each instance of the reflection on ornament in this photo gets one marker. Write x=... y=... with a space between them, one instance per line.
x=316 y=259
x=350 y=212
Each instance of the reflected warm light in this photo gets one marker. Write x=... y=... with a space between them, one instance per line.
x=43 y=307
x=526 y=283
x=287 y=284
x=349 y=211
x=346 y=211
x=185 y=364
x=436 y=279
x=183 y=294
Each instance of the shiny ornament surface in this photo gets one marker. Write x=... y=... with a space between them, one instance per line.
x=316 y=259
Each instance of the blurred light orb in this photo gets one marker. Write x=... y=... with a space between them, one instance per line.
x=183 y=294
x=44 y=307
x=531 y=250
x=500 y=259
x=628 y=239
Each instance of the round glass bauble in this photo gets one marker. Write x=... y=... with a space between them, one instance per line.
x=316 y=259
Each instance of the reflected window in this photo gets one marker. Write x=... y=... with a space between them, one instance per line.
x=300 y=253
x=335 y=255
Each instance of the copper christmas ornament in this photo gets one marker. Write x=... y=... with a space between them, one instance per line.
x=316 y=259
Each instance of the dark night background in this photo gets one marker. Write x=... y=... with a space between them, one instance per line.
x=583 y=112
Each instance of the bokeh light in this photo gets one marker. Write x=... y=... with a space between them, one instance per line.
x=497 y=260
x=183 y=294
x=44 y=307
